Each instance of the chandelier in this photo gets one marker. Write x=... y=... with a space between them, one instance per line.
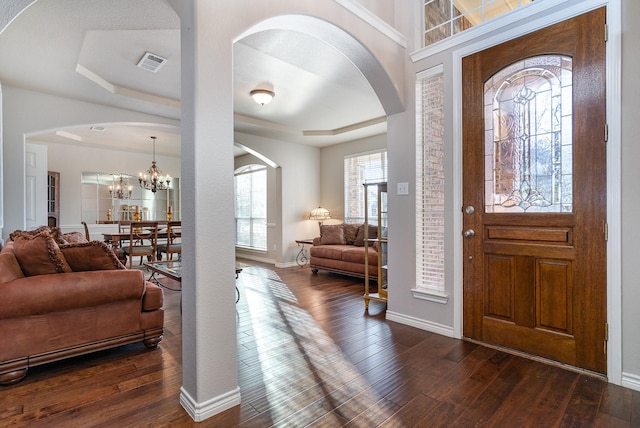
x=117 y=190
x=153 y=179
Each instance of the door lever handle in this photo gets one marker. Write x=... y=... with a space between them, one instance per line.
x=469 y=233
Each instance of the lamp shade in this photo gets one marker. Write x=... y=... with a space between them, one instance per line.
x=319 y=214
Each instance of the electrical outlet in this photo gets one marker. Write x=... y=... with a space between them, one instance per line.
x=403 y=188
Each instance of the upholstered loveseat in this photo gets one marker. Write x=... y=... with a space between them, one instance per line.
x=60 y=299
x=340 y=248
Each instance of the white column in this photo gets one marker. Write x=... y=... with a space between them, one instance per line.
x=210 y=381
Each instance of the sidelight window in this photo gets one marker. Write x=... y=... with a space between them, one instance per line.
x=430 y=180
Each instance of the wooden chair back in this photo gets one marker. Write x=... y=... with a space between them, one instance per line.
x=173 y=244
x=86 y=231
x=143 y=241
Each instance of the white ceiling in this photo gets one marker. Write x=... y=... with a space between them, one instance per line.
x=88 y=50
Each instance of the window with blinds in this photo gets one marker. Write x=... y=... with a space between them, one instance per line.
x=430 y=180
x=362 y=168
x=251 y=207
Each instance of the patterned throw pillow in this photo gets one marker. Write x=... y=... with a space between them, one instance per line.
x=331 y=234
x=38 y=253
x=72 y=238
x=360 y=239
x=350 y=233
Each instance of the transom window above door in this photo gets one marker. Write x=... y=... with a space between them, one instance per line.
x=446 y=18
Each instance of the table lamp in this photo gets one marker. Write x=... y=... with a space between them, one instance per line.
x=319 y=214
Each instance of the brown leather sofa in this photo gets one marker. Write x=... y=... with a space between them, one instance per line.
x=340 y=248
x=59 y=300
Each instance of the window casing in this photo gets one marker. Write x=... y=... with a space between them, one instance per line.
x=250 y=184
x=370 y=167
x=430 y=180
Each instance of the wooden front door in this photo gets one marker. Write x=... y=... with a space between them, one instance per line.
x=534 y=193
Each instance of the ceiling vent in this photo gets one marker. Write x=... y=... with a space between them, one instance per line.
x=151 y=62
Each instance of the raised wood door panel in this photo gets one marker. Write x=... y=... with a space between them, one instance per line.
x=535 y=281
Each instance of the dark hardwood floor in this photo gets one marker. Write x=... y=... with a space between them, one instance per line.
x=309 y=355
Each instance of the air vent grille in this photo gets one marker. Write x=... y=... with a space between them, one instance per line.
x=151 y=62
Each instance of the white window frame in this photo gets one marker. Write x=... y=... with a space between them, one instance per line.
x=244 y=170
x=430 y=193
x=353 y=183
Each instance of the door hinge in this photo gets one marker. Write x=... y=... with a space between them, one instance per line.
x=606 y=332
x=606 y=132
x=606 y=231
x=606 y=33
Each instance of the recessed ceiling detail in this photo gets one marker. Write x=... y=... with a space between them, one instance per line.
x=151 y=62
x=118 y=90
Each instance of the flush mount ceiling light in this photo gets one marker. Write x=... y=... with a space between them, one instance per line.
x=262 y=96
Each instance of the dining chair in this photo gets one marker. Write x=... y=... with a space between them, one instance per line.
x=86 y=230
x=173 y=244
x=143 y=241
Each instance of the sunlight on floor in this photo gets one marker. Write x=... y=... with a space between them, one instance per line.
x=317 y=356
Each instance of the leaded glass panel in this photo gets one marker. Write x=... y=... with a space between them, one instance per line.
x=528 y=138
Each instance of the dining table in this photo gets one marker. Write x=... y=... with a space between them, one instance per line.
x=115 y=238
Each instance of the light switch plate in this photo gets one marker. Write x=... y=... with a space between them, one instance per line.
x=403 y=188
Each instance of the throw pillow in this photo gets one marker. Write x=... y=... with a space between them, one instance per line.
x=92 y=255
x=350 y=233
x=360 y=239
x=53 y=231
x=72 y=238
x=39 y=254
x=331 y=234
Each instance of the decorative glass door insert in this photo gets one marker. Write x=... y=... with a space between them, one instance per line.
x=528 y=137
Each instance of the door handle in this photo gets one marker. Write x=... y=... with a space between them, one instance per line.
x=469 y=233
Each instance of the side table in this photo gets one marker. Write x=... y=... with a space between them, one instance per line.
x=302 y=259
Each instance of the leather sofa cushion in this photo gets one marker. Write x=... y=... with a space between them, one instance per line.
x=39 y=254
x=93 y=255
x=60 y=292
x=356 y=255
x=9 y=267
x=333 y=252
x=153 y=297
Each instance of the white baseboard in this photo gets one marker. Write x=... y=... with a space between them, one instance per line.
x=255 y=258
x=631 y=381
x=201 y=411
x=287 y=265
x=433 y=327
